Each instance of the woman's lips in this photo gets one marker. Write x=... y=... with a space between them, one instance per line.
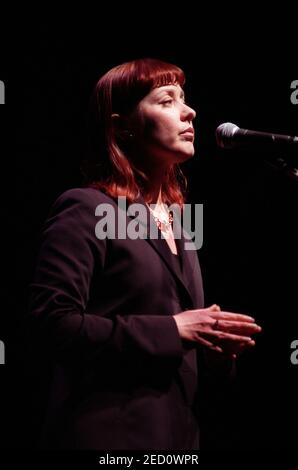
x=188 y=134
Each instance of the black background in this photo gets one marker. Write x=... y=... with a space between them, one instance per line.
x=239 y=72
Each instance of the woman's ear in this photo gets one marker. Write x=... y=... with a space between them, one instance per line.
x=121 y=127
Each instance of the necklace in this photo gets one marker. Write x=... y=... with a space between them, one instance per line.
x=164 y=224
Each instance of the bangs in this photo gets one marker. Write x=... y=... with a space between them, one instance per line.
x=134 y=80
x=154 y=74
x=127 y=84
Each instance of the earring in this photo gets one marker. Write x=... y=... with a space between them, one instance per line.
x=128 y=134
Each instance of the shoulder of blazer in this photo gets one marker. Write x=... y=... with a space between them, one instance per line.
x=84 y=195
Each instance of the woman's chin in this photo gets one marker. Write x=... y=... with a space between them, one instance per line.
x=184 y=156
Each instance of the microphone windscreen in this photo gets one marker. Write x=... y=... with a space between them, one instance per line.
x=224 y=134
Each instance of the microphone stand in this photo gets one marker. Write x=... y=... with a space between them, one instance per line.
x=284 y=166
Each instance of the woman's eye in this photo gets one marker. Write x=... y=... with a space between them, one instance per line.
x=168 y=101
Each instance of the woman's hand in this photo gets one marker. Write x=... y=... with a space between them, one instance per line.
x=225 y=332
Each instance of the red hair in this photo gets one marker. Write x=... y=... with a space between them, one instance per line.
x=108 y=166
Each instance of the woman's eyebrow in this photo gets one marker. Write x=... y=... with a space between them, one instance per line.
x=172 y=92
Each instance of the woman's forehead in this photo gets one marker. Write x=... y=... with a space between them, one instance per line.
x=172 y=88
x=169 y=86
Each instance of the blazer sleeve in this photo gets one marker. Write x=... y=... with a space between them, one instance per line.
x=69 y=255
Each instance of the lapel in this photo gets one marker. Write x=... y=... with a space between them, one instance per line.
x=187 y=257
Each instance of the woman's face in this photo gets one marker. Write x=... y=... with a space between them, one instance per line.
x=162 y=126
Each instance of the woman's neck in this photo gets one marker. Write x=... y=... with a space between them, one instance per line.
x=154 y=197
x=154 y=191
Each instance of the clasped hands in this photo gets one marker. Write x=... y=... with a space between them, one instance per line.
x=224 y=332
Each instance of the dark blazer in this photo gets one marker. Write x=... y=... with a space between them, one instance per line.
x=101 y=312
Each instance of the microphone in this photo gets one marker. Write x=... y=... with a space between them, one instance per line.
x=229 y=135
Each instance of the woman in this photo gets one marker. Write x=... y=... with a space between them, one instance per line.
x=122 y=319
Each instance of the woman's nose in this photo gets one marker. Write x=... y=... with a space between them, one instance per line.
x=188 y=113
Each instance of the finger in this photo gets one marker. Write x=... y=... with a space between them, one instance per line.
x=241 y=347
x=232 y=316
x=244 y=329
x=230 y=355
x=209 y=345
x=229 y=348
x=215 y=308
x=222 y=336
